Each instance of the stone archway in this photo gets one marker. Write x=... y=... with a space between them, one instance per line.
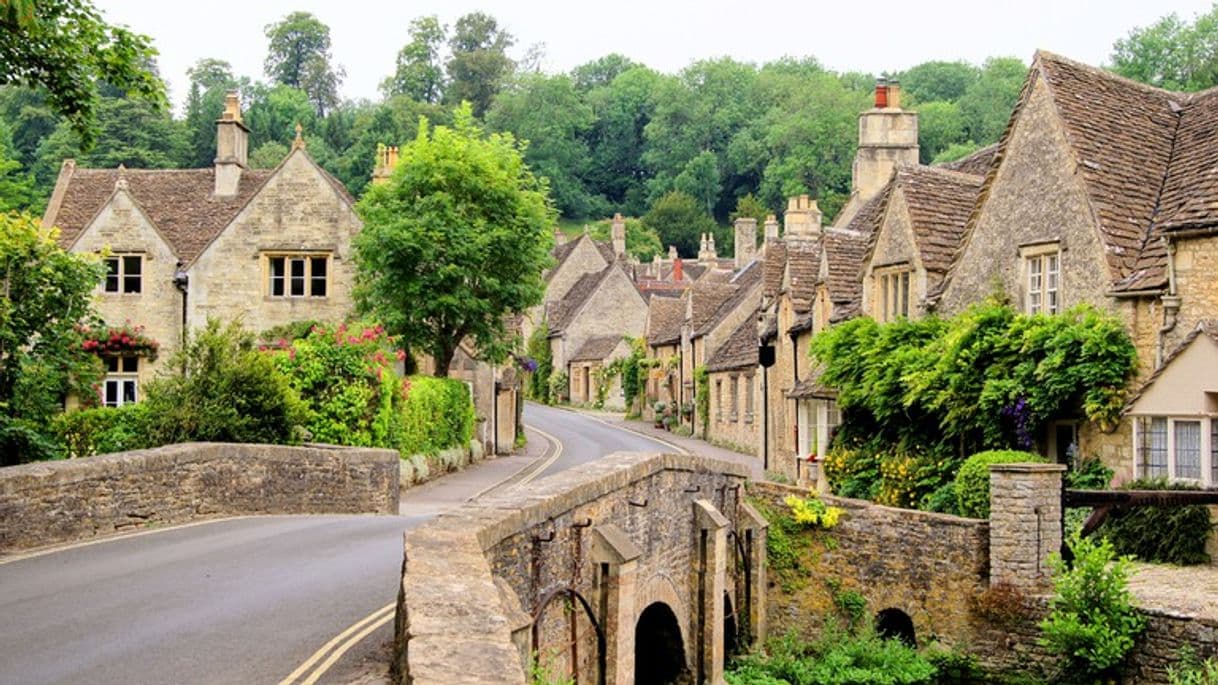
x=894 y=624
x=659 y=651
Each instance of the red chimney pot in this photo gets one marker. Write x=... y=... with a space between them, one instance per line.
x=881 y=95
x=678 y=273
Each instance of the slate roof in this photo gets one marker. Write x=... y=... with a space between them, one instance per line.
x=564 y=251
x=775 y=263
x=706 y=297
x=664 y=318
x=803 y=267
x=739 y=351
x=811 y=386
x=846 y=249
x=178 y=202
x=977 y=164
x=1208 y=328
x=597 y=348
x=562 y=311
x=743 y=281
x=940 y=202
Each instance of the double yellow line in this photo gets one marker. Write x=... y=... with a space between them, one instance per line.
x=352 y=636
x=544 y=464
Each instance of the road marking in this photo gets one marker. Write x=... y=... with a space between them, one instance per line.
x=374 y=616
x=338 y=653
x=543 y=465
x=628 y=429
x=113 y=538
x=515 y=474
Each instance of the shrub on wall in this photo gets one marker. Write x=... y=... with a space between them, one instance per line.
x=538 y=348
x=702 y=395
x=101 y=431
x=972 y=484
x=1172 y=535
x=437 y=414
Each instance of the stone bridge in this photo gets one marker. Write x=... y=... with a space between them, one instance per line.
x=636 y=568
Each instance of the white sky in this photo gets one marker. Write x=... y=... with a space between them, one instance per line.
x=845 y=35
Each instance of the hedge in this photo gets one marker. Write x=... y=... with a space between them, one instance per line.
x=973 y=480
x=437 y=413
x=1172 y=535
x=101 y=431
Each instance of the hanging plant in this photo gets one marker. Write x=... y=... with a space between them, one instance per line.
x=125 y=340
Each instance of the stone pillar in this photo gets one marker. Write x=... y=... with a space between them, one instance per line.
x=746 y=240
x=1025 y=523
x=755 y=529
x=616 y=558
x=710 y=570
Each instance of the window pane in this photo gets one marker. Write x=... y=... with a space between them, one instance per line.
x=131 y=284
x=905 y=294
x=1153 y=448
x=297 y=267
x=128 y=392
x=111 y=398
x=1213 y=451
x=131 y=364
x=131 y=265
x=1188 y=449
x=112 y=275
x=317 y=283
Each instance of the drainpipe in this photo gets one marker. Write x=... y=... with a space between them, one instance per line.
x=1171 y=305
x=494 y=412
x=181 y=281
x=795 y=367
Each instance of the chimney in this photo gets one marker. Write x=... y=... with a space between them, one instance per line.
x=672 y=253
x=618 y=233
x=702 y=247
x=803 y=219
x=888 y=136
x=771 y=227
x=386 y=162
x=746 y=240
x=710 y=246
x=560 y=238
x=232 y=147
x=678 y=270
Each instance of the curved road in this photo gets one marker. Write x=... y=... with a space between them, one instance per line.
x=235 y=601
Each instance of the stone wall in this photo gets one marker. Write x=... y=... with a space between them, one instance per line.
x=927 y=565
x=48 y=503
x=738 y=426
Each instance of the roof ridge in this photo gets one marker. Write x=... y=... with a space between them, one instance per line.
x=941 y=171
x=1111 y=75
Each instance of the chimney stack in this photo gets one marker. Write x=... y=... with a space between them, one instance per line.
x=678 y=270
x=771 y=227
x=803 y=219
x=888 y=136
x=672 y=253
x=560 y=238
x=386 y=162
x=746 y=240
x=232 y=147
x=618 y=233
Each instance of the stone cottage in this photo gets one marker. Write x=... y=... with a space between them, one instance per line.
x=598 y=304
x=586 y=369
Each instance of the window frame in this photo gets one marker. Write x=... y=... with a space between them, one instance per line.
x=1206 y=447
x=121 y=377
x=894 y=292
x=307 y=278
x=122 y=274
x=1042 y=262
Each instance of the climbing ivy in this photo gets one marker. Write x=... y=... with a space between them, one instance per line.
x=538 y=385
x=702 y=395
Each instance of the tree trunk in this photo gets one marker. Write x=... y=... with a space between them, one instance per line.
x=443 y=359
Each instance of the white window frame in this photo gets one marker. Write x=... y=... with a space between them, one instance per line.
x=307 y=261
x=749 y=399
x=122 y=275
x=121 y=377
x=1209 y=451
x=1041 y=268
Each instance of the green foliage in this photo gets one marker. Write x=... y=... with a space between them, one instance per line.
x=1171 y=53
x=1171 y=535
x=702 y=396
x=678 y=220
x=268 y=155
x=1089 y=474
x=642 y=242
x=104 y=430
x=1189 y=670
x=539 y=350
x=67 y=49
x=812 y=512
x=17 y=192
x=952 y=667
x=634 y=375
x=220 y=388
x=837 y=658
x=941 y=127
x=939 y=81
x=478 y=64
x=972 y=484
x=454 y=242
x=419 y=74
x=1092 y=623
x=955 y=151
x=540 y=674
x=438 y=413
x=560 y=386
x=989 y=101
x=298 y=55
x=48 y=299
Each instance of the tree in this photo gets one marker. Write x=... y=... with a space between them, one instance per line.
x=1171 y=53
x=272 y=114
x=940 y=125
x=454 y=242
x=988 y=103
x=700 y=180
x=939 y=81
x=419 y=74
x=299 y=56
x=642 y=243
x=47 y=296
x=678 y=220
x=749 y=207
x=64 y=47
x=16 y=188
x=478 y=65
x=268 y=155
x=210 y=80
x=622 y=110
x=602 y=71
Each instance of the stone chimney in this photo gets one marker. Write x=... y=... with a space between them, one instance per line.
x=888 y=136
x=702 y=247
x=560 y=238
x=678 y=270
x=802 y=220
x=746 y=240
x=232 y=147
x=672 y=253
x=771 y=227
x=386 y=162
x=618 y=233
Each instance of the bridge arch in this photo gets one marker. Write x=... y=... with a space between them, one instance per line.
x=659 y=650
x=894 y=624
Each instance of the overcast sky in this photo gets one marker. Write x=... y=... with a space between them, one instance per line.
x=845 y=35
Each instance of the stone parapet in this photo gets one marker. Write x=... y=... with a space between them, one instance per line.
x=1025 y=524
x=49 y=503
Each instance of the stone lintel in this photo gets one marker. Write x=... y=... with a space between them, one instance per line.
x=612 y=545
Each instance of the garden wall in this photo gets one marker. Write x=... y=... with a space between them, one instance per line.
x=47 y=503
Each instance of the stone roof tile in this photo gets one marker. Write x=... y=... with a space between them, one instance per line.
x=739 y=351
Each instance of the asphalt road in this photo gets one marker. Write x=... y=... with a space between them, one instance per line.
x=234 y=601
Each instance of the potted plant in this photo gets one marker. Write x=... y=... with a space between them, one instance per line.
x=660 y=407
x=667 y=422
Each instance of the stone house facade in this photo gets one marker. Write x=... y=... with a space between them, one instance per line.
x=598 y=304
x=585 y=369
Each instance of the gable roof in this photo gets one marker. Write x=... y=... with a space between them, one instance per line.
x=597 y=348
x=706 y=297
x=803 y=267
x=743 y=282
x=1206 y=327
x=562 y=252
x=940 y=202
x=665 y=315
x=562 y=311
x=178 y=202
x=739 y=351
x=977 y=164
x=845 y=251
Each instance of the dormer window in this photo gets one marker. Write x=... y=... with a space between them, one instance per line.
x=1042 y=278
x=892 y=294
x=124 y=274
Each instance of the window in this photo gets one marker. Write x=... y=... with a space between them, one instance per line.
x=1043 y=270
x=1187 y=450
x=1184 y=448
x=719 y=400
x=124 y=274
x=1213 y=451
x=748 y=398
x=893 y=300
x=734 y=383
x=297 y=275
x=119 y=387
x=1152 y=447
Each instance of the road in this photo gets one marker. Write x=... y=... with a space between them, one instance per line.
x=244 y=600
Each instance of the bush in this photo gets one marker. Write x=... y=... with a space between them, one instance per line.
x=437 y=414
x=88 y=432
x=1092 y=623
x=222 y=389
x=973 y=481
x=559 y=387
x=1171 y=535
x=1090 y=474
x=838 y=658
x=1192 y=671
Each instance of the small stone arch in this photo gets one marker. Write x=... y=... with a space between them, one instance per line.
x=661 y=588
x=894 y=624
x=659 y=650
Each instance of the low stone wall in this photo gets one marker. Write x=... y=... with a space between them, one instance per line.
x=47 y=503
x=924 y=564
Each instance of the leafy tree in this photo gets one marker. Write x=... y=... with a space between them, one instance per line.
x=988 y=103
x=679 y=220
x=268 y=155
x=642 y=243
x=16 y=188
x=210 y=81
x=455 y=241
x=616 y=141
x=48 y=295
x=602 y=71
x=956 y=151
x=299 y=56
x=64 y=47
x=749 y=207
x=273 y=113
x=1171 y=53
x=30 y=117
x=940 y=125
x=548 y=114
x=419 y=74
x=700 y=180
x=939 y=81
x=478 y=64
